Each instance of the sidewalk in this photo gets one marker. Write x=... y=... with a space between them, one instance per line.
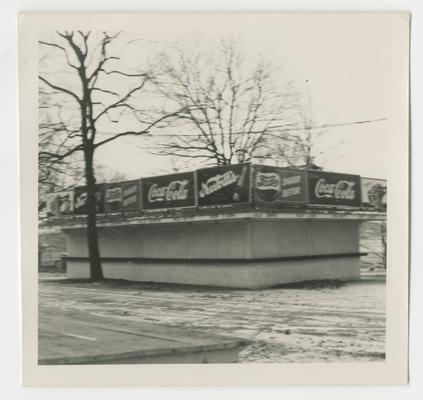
x=72 y=337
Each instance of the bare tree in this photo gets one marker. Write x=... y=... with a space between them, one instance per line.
x=104 y=174
x=230 y=104
x=298 y=146
x=100 y=103
x=53 y=139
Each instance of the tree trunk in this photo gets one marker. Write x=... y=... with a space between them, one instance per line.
x=96 y=273
x=383 y=238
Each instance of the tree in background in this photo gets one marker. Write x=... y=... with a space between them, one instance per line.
x=100 y=102
x=230 y=104
x=53 y=139
x=297 y=147
x=105 y=174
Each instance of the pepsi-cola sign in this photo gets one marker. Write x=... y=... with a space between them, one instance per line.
x=278 y=185
x=122 y=196
x=168 y=191
x=229 y=184
x=329 y=188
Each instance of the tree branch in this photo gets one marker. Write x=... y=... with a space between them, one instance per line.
x=105 y=91
x=61 y=48
x=139 y=75
x=60 y=89
x=121 y=100
x=135 y=133
x=59 y=157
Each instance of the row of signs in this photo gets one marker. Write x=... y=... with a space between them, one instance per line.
x=281 y=185
x=226 y=185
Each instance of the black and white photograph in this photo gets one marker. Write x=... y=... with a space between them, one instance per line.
x=218 y=189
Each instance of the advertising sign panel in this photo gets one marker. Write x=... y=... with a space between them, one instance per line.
x=373 y=192
x=329 y=188
x=80 y=199
x=122 y=196
x=59 y=203
x=168 y=191
x=278 y=185
x=229 y=184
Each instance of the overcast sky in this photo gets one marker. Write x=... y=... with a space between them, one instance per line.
x=346 y=64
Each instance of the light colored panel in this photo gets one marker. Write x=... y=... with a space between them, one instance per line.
x=77 y=269
x=279 y=238
x=219 y=239
x=224 y=274
x=161 y=241
x=76 y=243
x=333 y=237
x=118 y=241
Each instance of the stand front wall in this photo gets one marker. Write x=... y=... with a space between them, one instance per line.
x=241 y=253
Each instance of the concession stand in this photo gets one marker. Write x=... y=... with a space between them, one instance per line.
x=241 y=226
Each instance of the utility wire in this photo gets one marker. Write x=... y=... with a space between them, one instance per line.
x=269 y=129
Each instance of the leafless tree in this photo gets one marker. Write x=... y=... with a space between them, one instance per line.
x=230 y=104
x=100 y=103
x=52 y=140
x=298 y=147
x=104 y=174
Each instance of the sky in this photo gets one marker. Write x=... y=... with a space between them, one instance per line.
x=346 y=64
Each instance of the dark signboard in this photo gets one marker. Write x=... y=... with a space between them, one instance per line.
x=329 y=188
x=59 y=203
x=278 y=185
x=122 y=196
x=373 y=193
x=229 y=184
x=80 y=199
x=168 y=191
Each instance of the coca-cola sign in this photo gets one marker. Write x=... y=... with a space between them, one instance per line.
x=168 y=191
x=122 y=196
x=278 y=185
x=227 y=184
x=80 y=199
x=328 y=188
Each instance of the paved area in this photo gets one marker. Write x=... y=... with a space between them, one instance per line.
x=317 y=322
x=74 y=337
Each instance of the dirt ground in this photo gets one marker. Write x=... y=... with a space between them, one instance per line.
x=316 y=322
